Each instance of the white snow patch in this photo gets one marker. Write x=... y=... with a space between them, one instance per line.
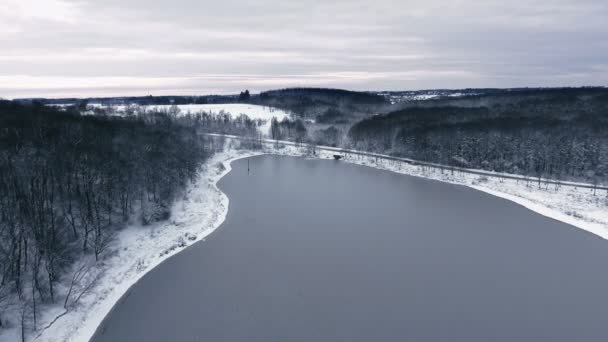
x=254 y=112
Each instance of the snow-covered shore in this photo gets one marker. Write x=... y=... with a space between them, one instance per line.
x=136 y=251
x=579 y=207
x=204 y=207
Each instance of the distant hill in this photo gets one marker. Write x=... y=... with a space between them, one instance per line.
x=481 y=97
x=344 y=105
x=139 y=100
x=338 y=104
x=323 y=94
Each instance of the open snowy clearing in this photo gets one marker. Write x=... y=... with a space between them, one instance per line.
x=204 y=207
x=254 y=112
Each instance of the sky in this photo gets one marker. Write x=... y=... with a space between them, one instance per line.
x=78 y=48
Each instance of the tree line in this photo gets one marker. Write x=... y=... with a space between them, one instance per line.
x=309 y=103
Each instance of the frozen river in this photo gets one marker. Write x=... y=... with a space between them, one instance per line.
x=317 y=250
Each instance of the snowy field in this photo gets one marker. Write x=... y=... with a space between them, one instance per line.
x=204 y=207
x=254 y=112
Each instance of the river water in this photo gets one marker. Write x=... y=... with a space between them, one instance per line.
x=316 y=250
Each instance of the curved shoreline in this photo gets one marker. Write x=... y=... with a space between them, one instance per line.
x=598 y=229
x=92 y=325
x=90 y=321
x=81 y=323
x=589 y=227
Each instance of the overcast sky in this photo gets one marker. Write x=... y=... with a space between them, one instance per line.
x=59 y=48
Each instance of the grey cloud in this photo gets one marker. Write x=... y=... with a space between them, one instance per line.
x=182 y=46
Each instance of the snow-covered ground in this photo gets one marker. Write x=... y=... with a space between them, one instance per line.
x=254 y=112
x=204 y=207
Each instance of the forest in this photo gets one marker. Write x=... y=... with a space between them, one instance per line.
x=308 y=103
x=69 y=182
x=559 y=133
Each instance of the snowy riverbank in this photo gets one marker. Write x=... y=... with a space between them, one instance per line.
x=204 y=208
x=579 y=207
x=583 y=208
x=136 y=251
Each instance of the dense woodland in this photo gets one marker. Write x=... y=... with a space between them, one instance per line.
x=310 y=103
x=559 y=133
x=293 y=130
x=140 y=100
x=69 y=182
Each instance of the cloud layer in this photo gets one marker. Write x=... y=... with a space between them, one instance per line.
x=59 y=48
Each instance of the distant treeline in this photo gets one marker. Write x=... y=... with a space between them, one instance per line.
x=312 y=102
x=139 y=100
x=559 y=133
x=496 y=97
x=69 y=182
x=299 y=99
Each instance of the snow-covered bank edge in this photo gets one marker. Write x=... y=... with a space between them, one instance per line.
x=578 y=207
x=601 y=230
x=139 y=249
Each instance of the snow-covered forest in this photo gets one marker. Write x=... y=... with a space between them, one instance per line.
x=558 y=134
x=70 y=182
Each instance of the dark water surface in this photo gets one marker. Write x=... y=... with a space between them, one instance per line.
x=326 y=251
